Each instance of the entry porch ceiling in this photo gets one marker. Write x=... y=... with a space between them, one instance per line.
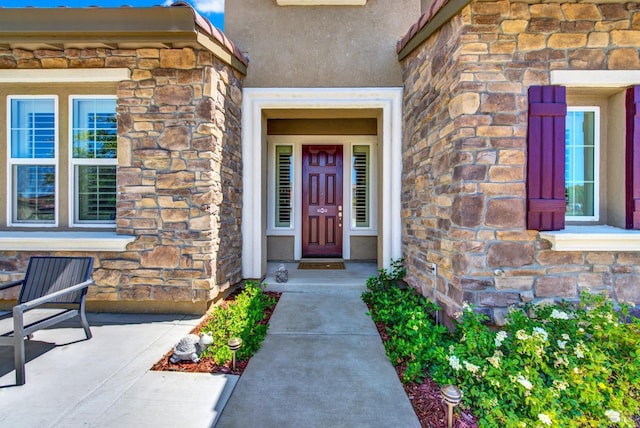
x=310 y=113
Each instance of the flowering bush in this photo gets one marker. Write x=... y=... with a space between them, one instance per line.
x=562 y=365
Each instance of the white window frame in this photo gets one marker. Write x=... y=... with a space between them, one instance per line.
x=11 y=162
x=596 y=173
x=271 y=190
x=372 y=229
x=73 y=162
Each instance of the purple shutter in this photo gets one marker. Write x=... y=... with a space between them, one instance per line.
x=632 y=159
x=546 y=199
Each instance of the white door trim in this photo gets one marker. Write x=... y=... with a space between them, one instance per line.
x=254 y=155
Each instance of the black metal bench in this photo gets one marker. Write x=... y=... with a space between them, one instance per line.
x=54 y=289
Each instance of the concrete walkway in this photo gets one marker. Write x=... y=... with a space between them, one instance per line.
x=322 y=364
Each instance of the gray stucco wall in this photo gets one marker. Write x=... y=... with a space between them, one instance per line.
x=320 y=46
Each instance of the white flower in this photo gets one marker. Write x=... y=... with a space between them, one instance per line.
x=500 y=337
x=579 y=351
x=566 y=337
x=545 y=419
x=494 y=361
x=560 y=385
x=454 y=362
x=559 y=315
x=522 y=335
x=562 y=344
x=561 y=361
x=471 y=367
x=541 y=333
x=524 y=382
x=613 y=416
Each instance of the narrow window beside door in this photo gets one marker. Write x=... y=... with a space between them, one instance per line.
x=361 y=187
x=284 y=186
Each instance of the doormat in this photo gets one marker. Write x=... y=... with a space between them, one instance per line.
x=321 y=265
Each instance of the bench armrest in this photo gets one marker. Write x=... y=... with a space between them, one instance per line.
x=11 y=284
x=49 y=297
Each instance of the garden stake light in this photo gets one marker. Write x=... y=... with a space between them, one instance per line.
x=234 y=344
x=452 y=396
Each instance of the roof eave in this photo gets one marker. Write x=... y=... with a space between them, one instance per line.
x=116 y=28
x=428 y=25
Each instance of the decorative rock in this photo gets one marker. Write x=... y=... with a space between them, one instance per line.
x=282 y=274
x=190 y=347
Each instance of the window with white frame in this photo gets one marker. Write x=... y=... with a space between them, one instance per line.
x=38 y=176
x=361 y=188
x=582 y=163
x=32 y=160
x=93 y=159
x=284 y=186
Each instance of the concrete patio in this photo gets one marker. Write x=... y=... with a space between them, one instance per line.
x=106 y=381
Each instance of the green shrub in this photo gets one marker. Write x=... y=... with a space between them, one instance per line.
x=565 y=365
x=240 y=318
x=405 y=314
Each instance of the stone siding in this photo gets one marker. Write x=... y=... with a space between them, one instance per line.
x=465 y=126
x=179 y=178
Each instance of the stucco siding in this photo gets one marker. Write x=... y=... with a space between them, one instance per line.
x=320 y=46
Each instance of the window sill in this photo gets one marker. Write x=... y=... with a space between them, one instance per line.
x=593 y=238
x=63 y=241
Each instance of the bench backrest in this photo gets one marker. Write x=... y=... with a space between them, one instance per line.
x=46 y=275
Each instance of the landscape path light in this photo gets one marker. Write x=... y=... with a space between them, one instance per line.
x=452 y=396
x=234 y=344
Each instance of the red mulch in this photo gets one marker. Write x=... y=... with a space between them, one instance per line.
x=427 y=400
x=206 y=365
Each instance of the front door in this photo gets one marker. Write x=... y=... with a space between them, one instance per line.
x=322 y=207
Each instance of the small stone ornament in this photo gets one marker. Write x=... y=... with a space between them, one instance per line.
x=282 y=274
x=190 y=347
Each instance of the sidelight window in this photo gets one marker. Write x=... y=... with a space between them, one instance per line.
x=361 y=188
x=284 y=186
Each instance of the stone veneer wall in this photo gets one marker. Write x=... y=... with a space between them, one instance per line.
x=465 y=125
x=179 y=178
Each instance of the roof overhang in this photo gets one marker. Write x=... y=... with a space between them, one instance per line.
x=178 y=26
x=439 y=13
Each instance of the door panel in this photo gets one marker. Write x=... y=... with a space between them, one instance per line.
x=322 y=201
